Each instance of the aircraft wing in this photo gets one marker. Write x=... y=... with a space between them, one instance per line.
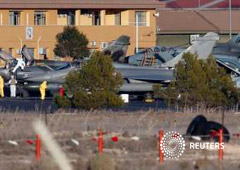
x=228 y=67
x=202 y=47
x=51 y=76
x=145 y=74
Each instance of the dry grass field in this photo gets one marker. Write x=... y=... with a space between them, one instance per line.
x=126 y=154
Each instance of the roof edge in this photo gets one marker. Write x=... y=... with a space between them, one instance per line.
x=81 y=5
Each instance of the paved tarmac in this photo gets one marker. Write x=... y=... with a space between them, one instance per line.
x=34 y=104
x=141 y=106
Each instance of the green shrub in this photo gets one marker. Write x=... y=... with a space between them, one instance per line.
x=199 y=83
x=62 y=102
x=71 y=43
x=95 y=85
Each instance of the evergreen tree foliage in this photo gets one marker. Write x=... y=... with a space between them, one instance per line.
x=199 y=83
x=71 y=43
x=96 y=84
x=62 y=101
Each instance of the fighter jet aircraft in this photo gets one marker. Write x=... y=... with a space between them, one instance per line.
x=117 y=49
x=138 y=79
x=152 y=56
x=30 y=74
x=6 y=57
x=230 y=48
x=169 y=56
x=141 y=78
x=229 y=52
x=228 y=56
x=30 y=77
x=56 y=65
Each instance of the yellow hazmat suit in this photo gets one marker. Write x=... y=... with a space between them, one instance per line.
x=1 y=86
x=43 y=88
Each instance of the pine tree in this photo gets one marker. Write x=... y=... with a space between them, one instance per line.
x=96 y=84
x=71 y=43
x=200 y=83
x=190 y=79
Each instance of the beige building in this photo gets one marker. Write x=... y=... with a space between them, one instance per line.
x=37 y=22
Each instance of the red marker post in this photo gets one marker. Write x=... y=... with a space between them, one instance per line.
x=100 y=142
x=38 y=147
x=160 y=150
x=220 y=141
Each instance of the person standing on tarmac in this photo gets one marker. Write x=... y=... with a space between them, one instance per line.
x=12 y=83
x=1 y=86
x=42 y=89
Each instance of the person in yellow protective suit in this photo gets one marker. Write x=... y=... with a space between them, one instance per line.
x=43 y=88
x=1 y=86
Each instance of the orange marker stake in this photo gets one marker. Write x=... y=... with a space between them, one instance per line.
x=160 y=150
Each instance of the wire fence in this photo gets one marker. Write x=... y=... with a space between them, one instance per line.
x=141 y=142
x=116 y=144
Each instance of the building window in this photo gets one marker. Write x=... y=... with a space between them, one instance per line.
x=90 y=17
x=86 y=12
x=14 y=18
x=113 y=17
x=118 y=18
x=66 y=17
x=40 y=18
x=96 y=18
x=141 y=18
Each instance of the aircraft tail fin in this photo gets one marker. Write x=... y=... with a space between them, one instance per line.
x=235 y=41
x=118 y=48
x=6 y=56
x=202 y=47
x=122 y=40
x=26 y=54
